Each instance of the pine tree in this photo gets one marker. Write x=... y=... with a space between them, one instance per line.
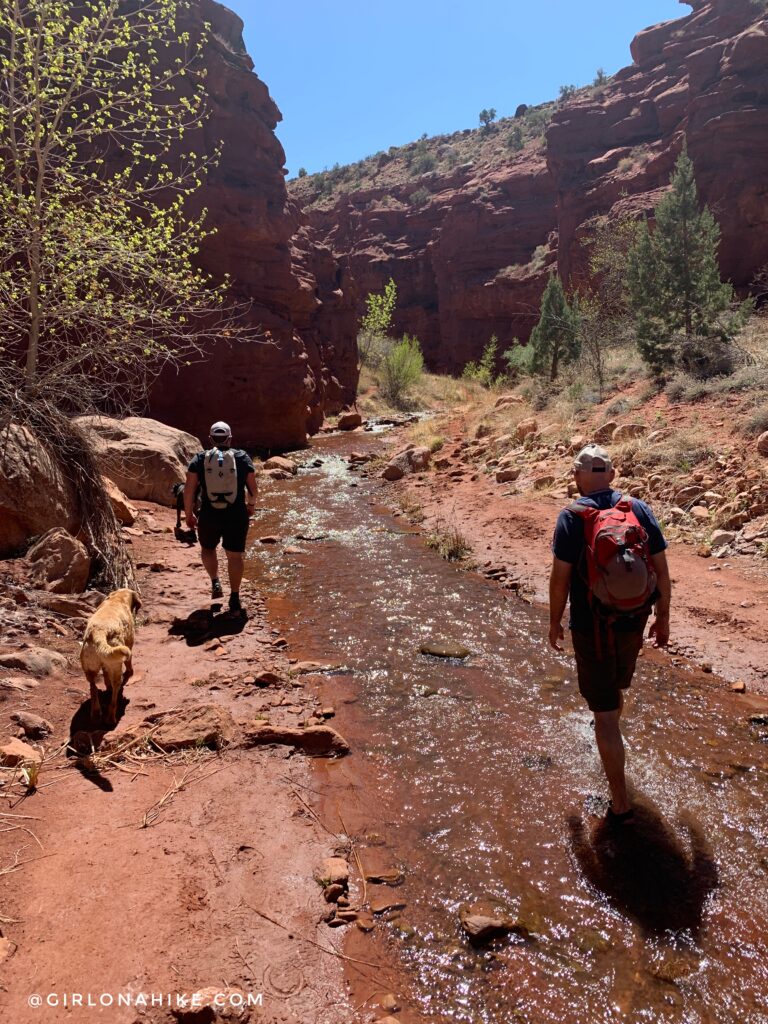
x=673 y=277
x=555 y=338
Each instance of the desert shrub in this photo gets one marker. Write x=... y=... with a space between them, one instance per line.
x=519 y=360
x=401 y=368
x=449 y=542
x=484 y=370
x=420 y=197
x=515 y=140
x=423 y=164
x=758 y=422
x=302 y=172
x=567 y=92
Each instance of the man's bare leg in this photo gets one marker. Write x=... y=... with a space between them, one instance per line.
x=610 y=746
x=236 y=566
x=210 y=562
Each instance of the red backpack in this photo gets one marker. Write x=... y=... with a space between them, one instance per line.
x=619 y=570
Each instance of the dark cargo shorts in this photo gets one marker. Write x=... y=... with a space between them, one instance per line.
x=605 y=673
x=228 y=525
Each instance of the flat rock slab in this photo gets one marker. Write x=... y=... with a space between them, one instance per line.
x=315 y=740
x=204 y=725
x=445 y=649
x=38 y=661
x=16 y=752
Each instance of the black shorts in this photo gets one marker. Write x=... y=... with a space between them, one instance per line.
x=603 y=673
x=228 y=525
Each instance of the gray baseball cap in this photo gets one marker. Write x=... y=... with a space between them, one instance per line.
x=593 y=459
x=220 y=431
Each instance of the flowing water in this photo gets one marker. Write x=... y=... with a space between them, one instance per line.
x=488 y=778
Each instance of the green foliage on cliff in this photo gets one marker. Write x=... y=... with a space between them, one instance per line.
x=681 y=306
x=98 y=281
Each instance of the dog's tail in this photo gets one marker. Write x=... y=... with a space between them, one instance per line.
x=106 y=650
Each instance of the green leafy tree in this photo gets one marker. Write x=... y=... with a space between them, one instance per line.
x=555 y=338
x=98 y=242
x=375 y=324
x=302 y=172
x=679 y=302
x=487 y=117
x=567 y=92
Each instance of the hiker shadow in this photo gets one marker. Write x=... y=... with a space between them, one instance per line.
x=208 y=623
x=646 y=872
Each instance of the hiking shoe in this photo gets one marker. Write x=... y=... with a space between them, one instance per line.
x=615 y=820
x=234 y=603
x=216 y=589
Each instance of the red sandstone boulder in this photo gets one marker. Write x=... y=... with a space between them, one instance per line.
x=60 y=562
x=34 y=494
x=762 y=443
x=143 y=457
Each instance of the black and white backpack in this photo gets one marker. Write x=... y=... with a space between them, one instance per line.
x=220 y=477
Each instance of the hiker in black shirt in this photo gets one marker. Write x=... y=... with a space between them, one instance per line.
x=227 y=481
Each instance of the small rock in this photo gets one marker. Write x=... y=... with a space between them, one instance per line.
x=687 y=495
x=762 y=443
x=333 y=871
x=627 y=431
x=605 y=432
x=482 y=922
x=7 y=949
x=333 y=893
x=390 y=1003
x=365 y=921
x=282 y=465
x=445 y=649
x=739 y=687
x=525 y=428
x=34 y=727
x=269 y=540
x=381 y=904
x=349 y=420
x=392 y=471
x=503 y=476
x=16 y=752
x=545 y=480
x=700 y=513
x=211 y=1005
x=721 y=539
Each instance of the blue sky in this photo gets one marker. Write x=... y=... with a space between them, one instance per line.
x=352 y=77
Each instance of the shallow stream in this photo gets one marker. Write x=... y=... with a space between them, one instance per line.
x=489 y=787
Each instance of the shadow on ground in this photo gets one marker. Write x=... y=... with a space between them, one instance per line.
x=646 y=871
x=208 y=623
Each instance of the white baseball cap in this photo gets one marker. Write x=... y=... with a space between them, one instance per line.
x=593 y=459
x=220 y=430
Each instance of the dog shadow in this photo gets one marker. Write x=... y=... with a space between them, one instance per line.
x=208 y=623
x=86 y=736
x=646 y=872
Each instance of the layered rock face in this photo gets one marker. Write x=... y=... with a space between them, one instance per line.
x=473 y=261
x=271 y=393
x=464 y=264
x=703 y=79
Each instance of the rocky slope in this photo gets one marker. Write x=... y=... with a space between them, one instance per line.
x=272 y=393
x=470 y=246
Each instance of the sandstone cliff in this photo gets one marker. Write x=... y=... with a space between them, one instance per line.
x=271 y=393
x=470 y=247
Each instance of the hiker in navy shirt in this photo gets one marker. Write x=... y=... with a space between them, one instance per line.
x=606 y=648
